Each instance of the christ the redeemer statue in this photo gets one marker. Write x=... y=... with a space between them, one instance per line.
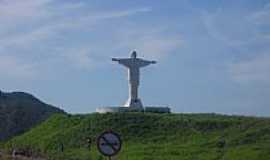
x=133 y=64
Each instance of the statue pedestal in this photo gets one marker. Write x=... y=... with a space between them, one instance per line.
x=134 y=103
x=152 y=109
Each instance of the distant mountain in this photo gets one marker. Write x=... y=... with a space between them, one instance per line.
x=20 y=111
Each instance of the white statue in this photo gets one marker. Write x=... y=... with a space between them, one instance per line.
x=133 y=64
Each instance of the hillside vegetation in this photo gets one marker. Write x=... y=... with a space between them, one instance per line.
x=148 y=136
x=21 y=111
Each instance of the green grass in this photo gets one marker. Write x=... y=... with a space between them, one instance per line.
x=151 y=136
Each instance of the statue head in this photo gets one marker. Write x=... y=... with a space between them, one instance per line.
x=134 y=54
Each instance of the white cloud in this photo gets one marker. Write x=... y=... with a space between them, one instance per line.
x=245 y=34
x=261 y=16
x=227 y=27
x=11 y=67
x=156 y=47
x=79 y=58
x=119 y=14
x=253 y=70
x=261 y=20
x=238 y=28
x=152 y=43
x=17 y=11
x=28 y=21
x=28 y=39
x=29 y=25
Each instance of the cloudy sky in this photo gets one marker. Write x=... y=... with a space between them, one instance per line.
x=213 y=56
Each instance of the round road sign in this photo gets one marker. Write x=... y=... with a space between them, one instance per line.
x=109 y=143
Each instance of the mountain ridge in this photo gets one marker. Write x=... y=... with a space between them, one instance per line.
x=20 y=111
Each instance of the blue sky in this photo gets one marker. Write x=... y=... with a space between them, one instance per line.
x=213 y=56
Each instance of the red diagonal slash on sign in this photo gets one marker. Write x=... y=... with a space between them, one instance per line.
x=110 y=144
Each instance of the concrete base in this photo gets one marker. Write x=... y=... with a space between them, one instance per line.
x=134 y=103
x=131 y=109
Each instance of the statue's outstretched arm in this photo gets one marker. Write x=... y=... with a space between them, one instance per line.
x=144 y=63
x=153 y=62
x=115 y=59
x=123 y=61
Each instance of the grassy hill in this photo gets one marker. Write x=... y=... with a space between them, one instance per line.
x=21 y=111
x=148 y=136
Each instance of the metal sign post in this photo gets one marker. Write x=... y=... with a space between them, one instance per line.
x=109 y=144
